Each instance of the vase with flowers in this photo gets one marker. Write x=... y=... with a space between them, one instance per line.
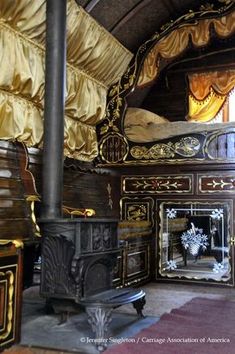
x=194 y=240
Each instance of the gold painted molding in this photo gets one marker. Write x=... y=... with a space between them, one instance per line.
x=9 y=308
x=32 y=199
x=16 y=243
x=86 y=212
x=78 y=212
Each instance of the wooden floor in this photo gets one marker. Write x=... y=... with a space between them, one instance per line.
x=160 y=298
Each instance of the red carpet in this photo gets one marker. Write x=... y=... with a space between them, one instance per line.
x=201 y=326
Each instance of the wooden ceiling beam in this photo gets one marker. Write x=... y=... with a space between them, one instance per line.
x=172 y=8
x=90 y=5
x=181 y=65
x=131 y=13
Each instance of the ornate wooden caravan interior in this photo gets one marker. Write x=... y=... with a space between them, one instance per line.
x=130 y=156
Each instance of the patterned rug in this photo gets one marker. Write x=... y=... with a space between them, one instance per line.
x=201 y=326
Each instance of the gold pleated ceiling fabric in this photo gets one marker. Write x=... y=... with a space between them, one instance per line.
x=176 y=42
x=95 y=60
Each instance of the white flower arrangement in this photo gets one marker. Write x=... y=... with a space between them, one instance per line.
x=193 y=239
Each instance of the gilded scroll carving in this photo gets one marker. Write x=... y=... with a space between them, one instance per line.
x=187 y=147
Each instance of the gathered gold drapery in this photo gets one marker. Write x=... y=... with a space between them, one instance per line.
x=207 y=93
x=177 y=41
x=95 y=60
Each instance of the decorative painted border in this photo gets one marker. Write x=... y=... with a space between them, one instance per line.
x=186 y=146
x=136 y=209
x=216 y=183
x=173 y=184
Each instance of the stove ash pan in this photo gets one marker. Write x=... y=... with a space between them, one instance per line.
x=78 y=257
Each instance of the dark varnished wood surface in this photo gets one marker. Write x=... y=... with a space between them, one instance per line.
x=15 y=218
x=84 y=186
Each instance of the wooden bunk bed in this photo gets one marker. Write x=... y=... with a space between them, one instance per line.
x=140 y=136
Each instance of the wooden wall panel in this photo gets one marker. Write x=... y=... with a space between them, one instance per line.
x=12 y=209
x=9 y=188
x=99 y=192
x=84 y=186
x=12 y=229
x=167 y=101
x=15 y=218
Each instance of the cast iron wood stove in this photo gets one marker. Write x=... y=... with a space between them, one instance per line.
x=78 y=255
x=78 y=260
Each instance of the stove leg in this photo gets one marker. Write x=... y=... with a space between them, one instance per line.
x=64 y=317
x=99 y=318
x=139 y=305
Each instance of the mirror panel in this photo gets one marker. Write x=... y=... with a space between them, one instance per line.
x=195 y=240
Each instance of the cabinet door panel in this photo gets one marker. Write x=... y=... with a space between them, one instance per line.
x=10 y=297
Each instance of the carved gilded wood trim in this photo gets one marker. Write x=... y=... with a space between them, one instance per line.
x=187 y=146
x=16 y=243
x=9 y=275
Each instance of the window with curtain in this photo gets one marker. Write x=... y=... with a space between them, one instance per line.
x=211 y=96
x=227 y=112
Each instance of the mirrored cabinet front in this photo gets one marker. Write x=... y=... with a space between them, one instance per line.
x=194 y=241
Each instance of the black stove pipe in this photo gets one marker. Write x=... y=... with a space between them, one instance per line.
x=55 y=84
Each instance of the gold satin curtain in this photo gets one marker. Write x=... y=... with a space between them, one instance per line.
x=176 y=42
x=207 y=93
x=95 y=60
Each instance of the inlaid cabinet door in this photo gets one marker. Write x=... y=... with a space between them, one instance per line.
x=10 y=296
x=195 y=241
